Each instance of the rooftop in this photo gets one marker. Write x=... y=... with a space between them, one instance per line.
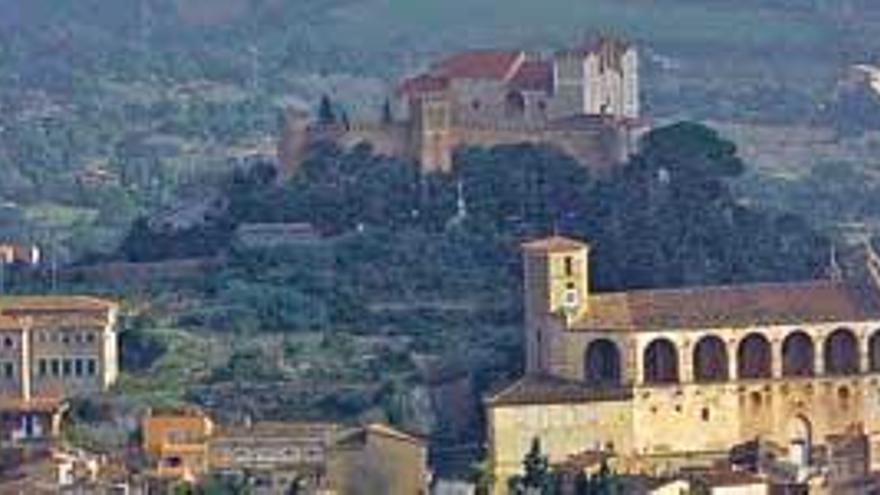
x=534 y=75
x=27 y=304
x=734 y=305
x=553 y=390
x=480 y=64
x=554 y=243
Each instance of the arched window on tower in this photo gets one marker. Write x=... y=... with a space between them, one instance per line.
x=602 y=363
x=660 y=361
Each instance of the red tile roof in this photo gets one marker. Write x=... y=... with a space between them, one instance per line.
x=554 y=243
x=532 y=389
x=748 y=304
x=425 y=83
x=534 y=75
x=14 y=305
x=480 y=64
x=35 y=404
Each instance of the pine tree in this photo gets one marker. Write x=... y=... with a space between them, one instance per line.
x=536 y=466
x=387 y=115
x=326 y=115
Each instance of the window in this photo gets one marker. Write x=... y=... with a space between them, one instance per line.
x=56 y=367
x=91 y=367
x=476 y=104
x=42 y=367
x=8 y=343
x=65 y=339
x=66 y=367
x=79 y=338
x=569 y=266
x=78 y=367
x=705 y=414
x=9 y=370
x=90 y=337
x=571 y=295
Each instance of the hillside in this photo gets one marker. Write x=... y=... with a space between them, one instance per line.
x=111 y=111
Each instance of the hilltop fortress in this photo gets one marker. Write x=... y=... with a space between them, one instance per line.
x=584 y=100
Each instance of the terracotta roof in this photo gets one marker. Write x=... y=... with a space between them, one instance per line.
x=26 y=304
x=302 y=431
x=7 y=323
x=752 y=304
x=388 y=431
x=715 y=478
x=38 y=404
x=554 y=243
x=480 y=64
x=534 y=75
x=550 y=390
x=425 y=83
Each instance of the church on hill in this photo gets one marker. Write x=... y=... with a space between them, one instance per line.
x=659 y=379
x=584 y=100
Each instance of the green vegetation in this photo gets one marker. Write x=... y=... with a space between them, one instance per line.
x=348 y=325
x=540 y=479
x=104 y=131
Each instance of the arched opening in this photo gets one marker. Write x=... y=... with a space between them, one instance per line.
x=874 y=352
x=710 y=360
x=753 y=357
x=800 y=441
x=841 y=353
x=661 y=362
x=515 y=104
x=798 y=355
x=602 y=363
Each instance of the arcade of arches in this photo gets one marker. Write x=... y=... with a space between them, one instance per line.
x=753 y=357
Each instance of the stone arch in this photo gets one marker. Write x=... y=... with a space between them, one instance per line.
x=754 y=358
x=515 y=104
x=710 y=360
x=661 y=362
x=602 y=363
x=798 y=355
x=874 y=352
x=800 y=439
x=841 y=352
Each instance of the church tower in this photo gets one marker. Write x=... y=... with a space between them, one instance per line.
x=432 y=131
x=556 y=282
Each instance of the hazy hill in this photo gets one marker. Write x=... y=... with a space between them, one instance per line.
x=87 y=82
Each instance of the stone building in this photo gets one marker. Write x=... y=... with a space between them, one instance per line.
x=177 y=442
x=19 y=254
x=665 y=378
x=322 y=458
x=584 y=100
x=52 y=348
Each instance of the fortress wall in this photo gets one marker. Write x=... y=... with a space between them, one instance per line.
x=598 y=149
x=391 y=140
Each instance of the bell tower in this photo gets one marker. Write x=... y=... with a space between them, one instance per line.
x=556 y=282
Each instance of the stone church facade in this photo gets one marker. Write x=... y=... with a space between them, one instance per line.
x=583 y=100
x=665 y=378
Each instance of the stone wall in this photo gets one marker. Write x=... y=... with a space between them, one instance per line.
x=563 y=429
x=599 y=147
x=698 y=422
